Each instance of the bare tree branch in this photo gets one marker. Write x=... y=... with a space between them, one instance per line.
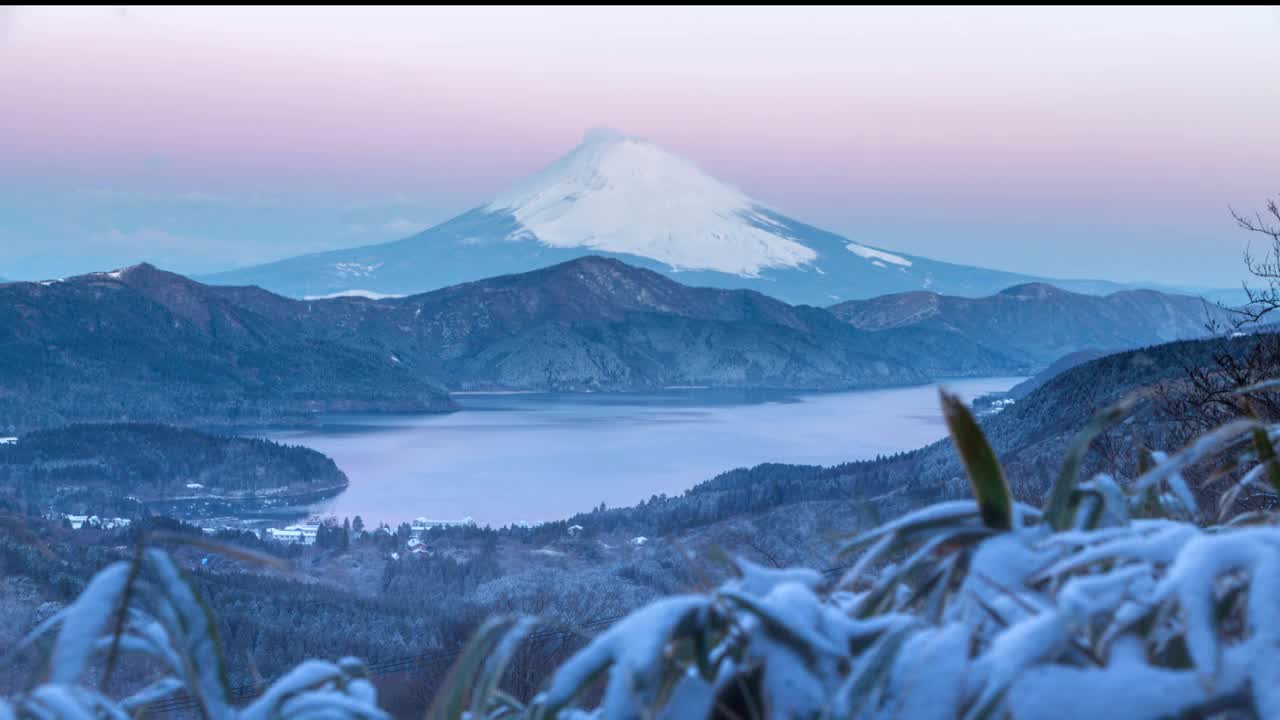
x=1260 y=301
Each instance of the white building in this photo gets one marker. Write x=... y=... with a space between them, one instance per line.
x=304 y=534
x=285 y=536
x=309 y=532
x=574 y=530
x=421 y=525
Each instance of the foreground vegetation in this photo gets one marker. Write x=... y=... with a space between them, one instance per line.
x=1119 y=597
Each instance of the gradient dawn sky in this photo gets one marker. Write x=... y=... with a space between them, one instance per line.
x=1083 y=142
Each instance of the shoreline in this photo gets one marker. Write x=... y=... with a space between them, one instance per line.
x=566 y=468
x=262 y=505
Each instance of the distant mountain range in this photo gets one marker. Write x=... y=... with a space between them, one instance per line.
x=599 y=324
x=144 y=344
x=1038 y=323
x=627 y=198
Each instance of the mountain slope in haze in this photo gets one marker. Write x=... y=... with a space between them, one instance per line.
x=144 y=344
x=988 y=402
x=1039 y=323
x=627 y=198
x=1055 y=368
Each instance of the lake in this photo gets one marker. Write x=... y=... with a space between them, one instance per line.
x=507 y=458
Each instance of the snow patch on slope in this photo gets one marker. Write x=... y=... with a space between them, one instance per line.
x=621 y=194
x=368 y=294
x=873 y=255
x=355 y=269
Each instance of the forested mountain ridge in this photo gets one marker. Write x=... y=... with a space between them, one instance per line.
x=142 y=344
x=120 y=469
x=147 y=345
x=596 y=323
x=1055 y=368
x=1039 y=323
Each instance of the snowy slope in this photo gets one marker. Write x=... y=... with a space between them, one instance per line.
x=630 y=199
x=624 y=195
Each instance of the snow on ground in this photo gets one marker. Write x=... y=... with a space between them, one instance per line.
x=873 y=255
x=626 y=195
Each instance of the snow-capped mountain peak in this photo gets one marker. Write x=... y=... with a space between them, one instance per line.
x=622 y=194
x=628 y=198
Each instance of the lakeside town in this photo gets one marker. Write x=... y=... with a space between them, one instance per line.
x=305 y=533
x=309 y=533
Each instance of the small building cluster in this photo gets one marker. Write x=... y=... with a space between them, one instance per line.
x=93 y=521
x=305 y=534
x=300 y=533
x=1001 y=404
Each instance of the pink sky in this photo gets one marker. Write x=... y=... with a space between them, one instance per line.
x=1144 y=122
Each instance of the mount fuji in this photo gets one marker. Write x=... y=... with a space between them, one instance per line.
x=627 y=198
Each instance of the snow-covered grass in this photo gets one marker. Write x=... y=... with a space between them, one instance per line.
x=1119 y=598
x=147 y=607
x=1111 y=601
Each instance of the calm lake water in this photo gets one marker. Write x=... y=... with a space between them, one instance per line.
x=531 y=457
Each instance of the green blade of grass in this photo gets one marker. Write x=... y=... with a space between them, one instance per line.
x=990 y=488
